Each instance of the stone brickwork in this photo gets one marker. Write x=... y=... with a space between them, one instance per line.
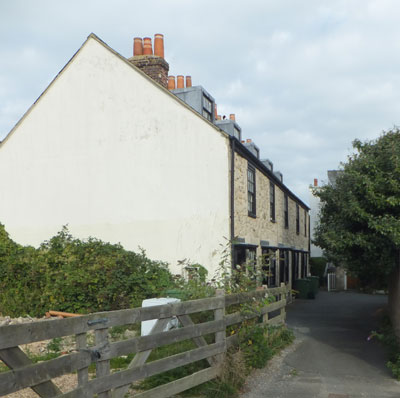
x=155 y=67
x=261 y=227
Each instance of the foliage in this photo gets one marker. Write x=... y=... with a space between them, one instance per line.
x=232 y=377
x=21 y=276
x=72 y=275
x=387 y=336
x=317 y=267
x=69 y=274
x=360 y=214
x=55 y=345
x=259 y=343
x=196 y=285
x=244 y=277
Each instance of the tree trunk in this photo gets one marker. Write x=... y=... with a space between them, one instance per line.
x=394 y=297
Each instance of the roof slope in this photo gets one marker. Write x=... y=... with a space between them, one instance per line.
x=93 y=36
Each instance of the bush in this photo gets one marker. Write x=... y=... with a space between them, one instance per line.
x=68 y=274
x=317 y=268
x=387 y=336
x=21 y=277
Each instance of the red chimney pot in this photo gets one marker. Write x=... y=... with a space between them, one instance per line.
x=147 y=47
x=171 y=82
x=137 y=46
x=159 y=45
x=180 y=83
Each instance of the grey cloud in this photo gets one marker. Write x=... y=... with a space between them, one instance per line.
x=303 y=78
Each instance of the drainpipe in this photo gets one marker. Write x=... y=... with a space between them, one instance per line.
x=232 y=202
x=309 y=243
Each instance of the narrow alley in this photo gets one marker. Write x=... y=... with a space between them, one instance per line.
x=332 y=356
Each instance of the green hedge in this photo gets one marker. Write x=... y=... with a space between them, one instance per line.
x=69 y=274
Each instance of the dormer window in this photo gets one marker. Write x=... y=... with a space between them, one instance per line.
x=236 y=133
x=207 y=108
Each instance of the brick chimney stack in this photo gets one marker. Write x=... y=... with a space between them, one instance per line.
x=155 y=65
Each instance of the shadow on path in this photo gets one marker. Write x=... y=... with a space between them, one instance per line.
x=331 y=357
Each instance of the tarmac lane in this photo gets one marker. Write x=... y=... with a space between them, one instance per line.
x=332 y=356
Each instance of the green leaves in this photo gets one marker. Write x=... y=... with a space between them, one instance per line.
x=73 y=275
x=360 y=215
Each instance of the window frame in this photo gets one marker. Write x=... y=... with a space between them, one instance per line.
x=305 y=223
x=297 y=219
x=272 y=201
x=286 y=210
x=207 y=108
x=251 y=194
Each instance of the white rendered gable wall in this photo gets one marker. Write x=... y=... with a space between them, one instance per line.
x=115 y=157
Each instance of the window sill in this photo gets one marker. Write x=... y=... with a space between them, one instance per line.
x=252 y=215
x=272 y=220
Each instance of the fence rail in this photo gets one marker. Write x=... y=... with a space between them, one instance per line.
x=24 y=373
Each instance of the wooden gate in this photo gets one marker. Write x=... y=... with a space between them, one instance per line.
x=23 y=373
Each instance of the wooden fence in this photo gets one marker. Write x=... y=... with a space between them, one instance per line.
x=24 y=373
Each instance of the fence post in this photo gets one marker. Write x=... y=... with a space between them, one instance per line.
x=283 y=309
x=83 y=374
x=265 y=316
x=102 y=367
x=219 y=314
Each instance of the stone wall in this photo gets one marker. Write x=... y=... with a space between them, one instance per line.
x=261 y=227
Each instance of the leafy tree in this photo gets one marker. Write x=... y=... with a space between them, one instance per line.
x=359 y=222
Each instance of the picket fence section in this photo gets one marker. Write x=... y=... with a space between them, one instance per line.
x=24 y=373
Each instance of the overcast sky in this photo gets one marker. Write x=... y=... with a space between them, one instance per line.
x=304 y=78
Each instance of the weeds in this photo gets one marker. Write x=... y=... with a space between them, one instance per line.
x=388 y=338
x=259 y=343
x=54 y=345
